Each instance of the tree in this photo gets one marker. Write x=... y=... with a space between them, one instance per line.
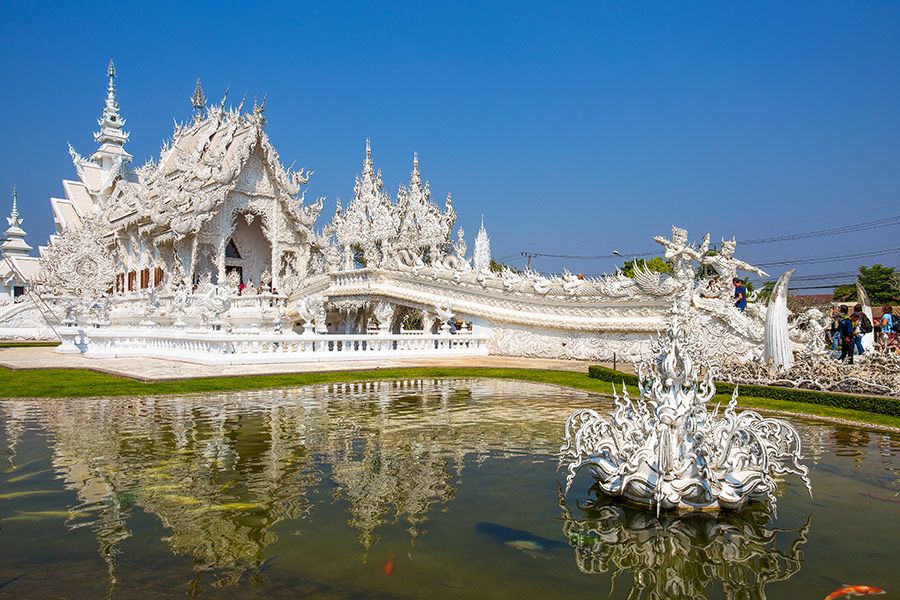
x=497 y=267
x=765 y=292
x=880 y=282
x=657 y=264
x=845 y=293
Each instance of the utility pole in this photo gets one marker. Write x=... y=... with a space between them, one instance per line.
x=528 y=256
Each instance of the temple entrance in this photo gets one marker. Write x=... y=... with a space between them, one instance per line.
x=249 y=253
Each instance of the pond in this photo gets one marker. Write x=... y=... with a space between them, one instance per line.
x=404 y=489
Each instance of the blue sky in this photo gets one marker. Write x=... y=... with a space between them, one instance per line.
x=576 y=128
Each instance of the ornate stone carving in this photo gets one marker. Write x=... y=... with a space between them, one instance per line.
x=421 y=225
x=383 y=313
x=666 y=451
x=370 y=221
x=77 y=263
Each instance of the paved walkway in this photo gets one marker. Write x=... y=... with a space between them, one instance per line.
x=154 y=369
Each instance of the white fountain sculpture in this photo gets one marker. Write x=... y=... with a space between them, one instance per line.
x=664 y=450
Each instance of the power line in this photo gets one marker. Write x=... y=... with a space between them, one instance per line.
x=596 y=257
x=835 y=258
x=824 y=286
x=818 y=233
x=816 y=219
x=843 y=229
x=814 y=276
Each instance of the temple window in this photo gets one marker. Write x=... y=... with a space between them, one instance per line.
x=231 y=250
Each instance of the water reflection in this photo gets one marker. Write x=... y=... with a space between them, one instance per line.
x=675 y=557
x=219 y=472
x=211 y=489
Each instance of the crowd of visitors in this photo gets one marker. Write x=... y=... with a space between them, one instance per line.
x=848 y=329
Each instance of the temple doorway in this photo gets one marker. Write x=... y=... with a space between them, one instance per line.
x=248 y=251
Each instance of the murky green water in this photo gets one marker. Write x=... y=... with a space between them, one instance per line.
x=317 y=492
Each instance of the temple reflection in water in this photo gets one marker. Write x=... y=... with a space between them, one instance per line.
x=682 y=556
x=220 y=471
x=219 y=483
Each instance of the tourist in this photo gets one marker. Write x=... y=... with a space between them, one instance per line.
x=740 y=294
x=889 y=327
x=863 y=327
x=849 y=330
x=876 y=331
x=837 y=314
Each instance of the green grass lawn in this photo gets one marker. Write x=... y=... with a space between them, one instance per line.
x=69 y=383
x=25 y=343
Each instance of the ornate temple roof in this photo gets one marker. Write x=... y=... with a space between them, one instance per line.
x=370 y=217
x=422 y=225
x=205 y=160
x=413 y=224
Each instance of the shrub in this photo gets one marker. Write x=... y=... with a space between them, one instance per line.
x=874 y=404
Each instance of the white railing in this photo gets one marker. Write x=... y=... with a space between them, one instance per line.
x=353 y=279
x=238 y=348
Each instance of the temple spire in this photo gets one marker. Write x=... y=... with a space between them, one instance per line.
x=368 y=166
x=416 y=176
x=481 y=260
x=198 y=101
x=14 y=213
x=14 y=243
x=111 y=137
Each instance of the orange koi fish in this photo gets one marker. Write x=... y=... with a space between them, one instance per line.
x=854 y=590
x=389 y=565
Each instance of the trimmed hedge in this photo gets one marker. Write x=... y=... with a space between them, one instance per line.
x=874 y=404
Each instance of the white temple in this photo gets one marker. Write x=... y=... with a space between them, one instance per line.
x=211 y=253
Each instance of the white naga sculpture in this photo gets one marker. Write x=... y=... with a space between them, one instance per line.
x=665 y=450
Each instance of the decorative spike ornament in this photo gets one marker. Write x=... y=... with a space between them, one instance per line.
x=198 y=101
